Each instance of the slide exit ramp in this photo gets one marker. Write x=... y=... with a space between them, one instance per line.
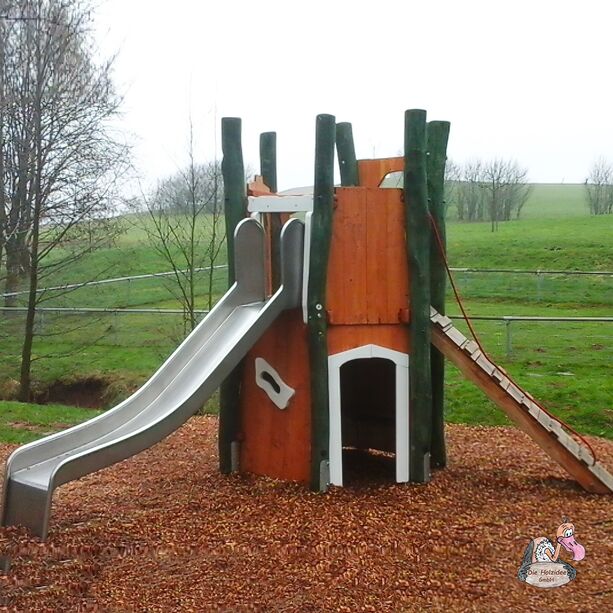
x=174 y=393
x=548 y=433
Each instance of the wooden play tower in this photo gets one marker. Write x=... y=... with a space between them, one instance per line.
x=354 y=367
x=331 y=337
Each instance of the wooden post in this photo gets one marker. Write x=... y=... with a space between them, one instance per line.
x=346 y=155
x=321 y=232
x=437 y=136
x=418 y=254
x=233 y=172
x=268 y=171
x=268 y=159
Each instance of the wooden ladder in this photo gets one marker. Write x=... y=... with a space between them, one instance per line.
x=548 y=433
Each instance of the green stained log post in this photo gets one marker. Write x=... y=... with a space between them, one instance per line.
x=268 y=171
x=346 y=155
x=418 y=255
x=437 y=134
x=268 y=159
x=233 y=172
x=321 y=232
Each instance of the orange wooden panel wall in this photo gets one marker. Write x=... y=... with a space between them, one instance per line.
x=343 y=338
x=372 y=172
x=276 y=442
x=367 y=273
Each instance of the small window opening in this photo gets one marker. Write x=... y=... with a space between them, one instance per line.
x=271 y=381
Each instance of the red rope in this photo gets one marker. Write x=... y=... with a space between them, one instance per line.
x=456 y=292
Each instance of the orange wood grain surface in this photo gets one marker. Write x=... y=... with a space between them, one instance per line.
x=372 y=172
x=368 y=280
x=342 y=338
x=276 y=442
x=257 y=187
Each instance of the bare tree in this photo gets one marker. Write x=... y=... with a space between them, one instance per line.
x=516 y=191
x=3 y=103
x=184 y=224
x=495 y=177
x=599 y=187
x=473 y=191
x=467 y=192
x=60 y=160
x=495 y=190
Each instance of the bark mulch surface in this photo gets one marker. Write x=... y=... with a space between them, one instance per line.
x=164 y=531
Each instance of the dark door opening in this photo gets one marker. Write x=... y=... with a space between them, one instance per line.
x=368 y=419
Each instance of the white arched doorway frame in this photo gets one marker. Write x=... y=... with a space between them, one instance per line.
x=401 y=360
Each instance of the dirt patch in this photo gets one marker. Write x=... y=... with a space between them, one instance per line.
x=90 y=393
x=37 y=428
x=164 y=531
x=9 y=388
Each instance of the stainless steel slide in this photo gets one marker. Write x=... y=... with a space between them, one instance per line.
x=174 y=393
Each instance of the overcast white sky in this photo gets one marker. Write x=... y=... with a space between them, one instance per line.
x=529 y=80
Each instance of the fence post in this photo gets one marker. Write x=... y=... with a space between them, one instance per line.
x=539 y=286
x=507 y=323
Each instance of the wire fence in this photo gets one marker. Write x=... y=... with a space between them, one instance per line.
x=507 y=335
x=508 y=287
x=510 y=334
x=126 y=311
x=128 y=279
x=536 y=287
x=99 y=337
x=155 y=290
x=565 y=362
x=516 y=271
x=98 y=282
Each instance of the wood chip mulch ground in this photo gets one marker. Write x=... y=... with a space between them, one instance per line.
x=164 y=531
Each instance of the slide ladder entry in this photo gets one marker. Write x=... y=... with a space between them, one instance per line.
x=548 y=433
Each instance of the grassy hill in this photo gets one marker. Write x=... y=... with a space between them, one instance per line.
x=555 y=233
x=533 y=241
x=550 y=201
x=555 y=200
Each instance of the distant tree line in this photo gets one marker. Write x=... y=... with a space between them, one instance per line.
x=59 y=159
x=599 y=188
x=494 y=190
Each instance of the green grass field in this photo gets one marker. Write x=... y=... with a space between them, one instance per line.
x=23 y=423
x=552 y=201
x=564 y=365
